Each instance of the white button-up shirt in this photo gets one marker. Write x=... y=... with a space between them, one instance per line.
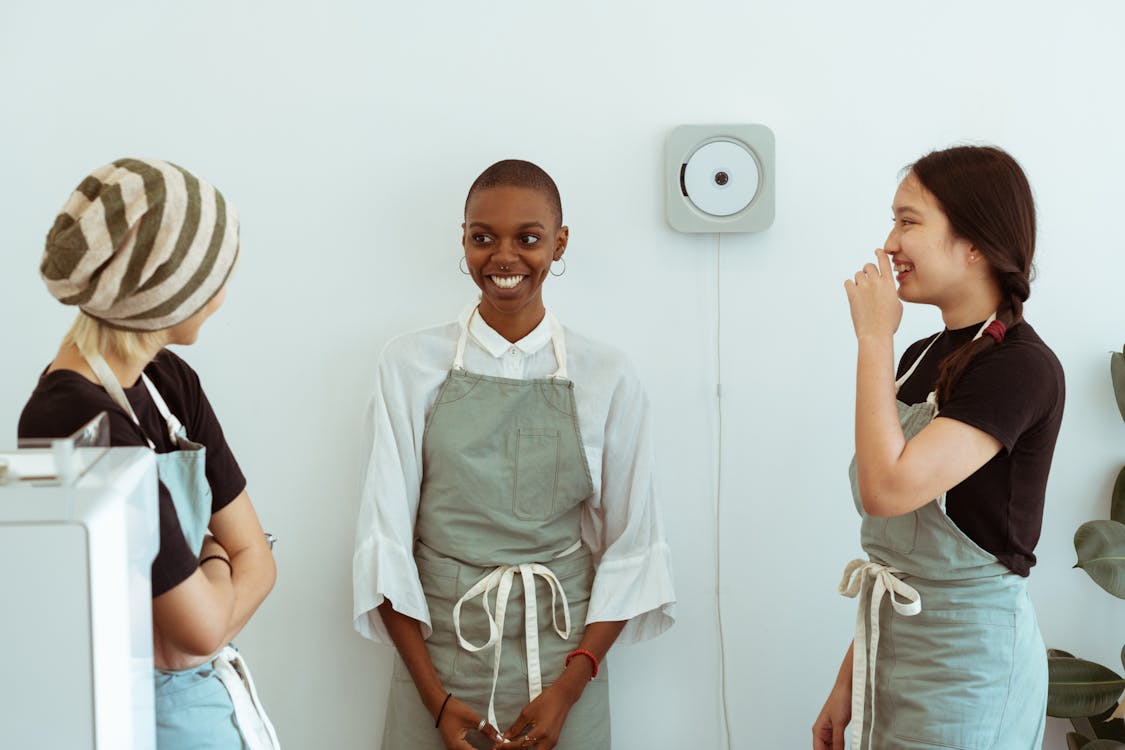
x=621 y=523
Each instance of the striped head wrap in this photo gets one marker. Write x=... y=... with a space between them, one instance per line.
x=141 y=245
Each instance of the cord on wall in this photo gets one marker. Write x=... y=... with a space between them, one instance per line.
x=719 y=485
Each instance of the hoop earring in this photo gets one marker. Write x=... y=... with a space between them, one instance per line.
x=560 y=273
x=461 y=265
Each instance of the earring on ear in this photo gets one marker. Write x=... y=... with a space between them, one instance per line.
x=461 y=265
x=558 y=260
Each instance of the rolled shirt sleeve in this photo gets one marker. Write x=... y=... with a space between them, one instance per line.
x=623 y=525
x=383 y=566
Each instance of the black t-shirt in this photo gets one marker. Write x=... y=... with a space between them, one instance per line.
x=63 y=401
x=1014 y=392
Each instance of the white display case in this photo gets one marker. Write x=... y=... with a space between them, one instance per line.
x=79 y=529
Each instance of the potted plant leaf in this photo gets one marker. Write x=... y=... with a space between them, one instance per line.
x=1087 y=693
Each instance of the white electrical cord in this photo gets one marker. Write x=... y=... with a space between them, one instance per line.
x=719 y=484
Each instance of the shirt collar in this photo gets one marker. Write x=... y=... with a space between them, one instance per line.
x=496 y=345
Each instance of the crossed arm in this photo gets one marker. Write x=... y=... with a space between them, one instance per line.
x=195 y=619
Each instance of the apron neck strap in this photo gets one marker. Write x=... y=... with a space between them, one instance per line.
x=175 y=428
x=104 y=373
x=558 y=343
x=906 y=375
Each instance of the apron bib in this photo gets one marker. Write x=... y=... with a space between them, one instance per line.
x=499 y=553
x=969 y=669
x=213 y=706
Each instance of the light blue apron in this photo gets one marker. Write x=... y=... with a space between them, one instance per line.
x=194 y=708
x=956 y=660
x=506 y=579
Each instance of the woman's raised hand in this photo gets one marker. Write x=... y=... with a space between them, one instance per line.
x=873 y=298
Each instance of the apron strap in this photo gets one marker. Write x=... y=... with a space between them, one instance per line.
x=558 y=343
x=500 y=578
x=109 y=381
x=255 y=727
x=175 y=428
x=459 y=356
x=855 y=581
x=906 y=375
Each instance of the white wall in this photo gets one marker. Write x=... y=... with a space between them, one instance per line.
x=347 y=133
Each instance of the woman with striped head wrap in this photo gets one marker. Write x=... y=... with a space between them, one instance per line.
x=144 y=248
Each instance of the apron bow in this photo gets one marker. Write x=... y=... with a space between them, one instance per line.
x=857 y=576
x=500 y=578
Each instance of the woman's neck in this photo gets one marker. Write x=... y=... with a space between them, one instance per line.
x=126 y=370
x=512 y=326
x=971 y=308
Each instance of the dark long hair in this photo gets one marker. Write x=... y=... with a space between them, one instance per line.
x=987 y=199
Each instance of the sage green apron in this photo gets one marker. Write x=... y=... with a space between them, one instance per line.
x=957 y=660
x=499 y=553
x=213 y=706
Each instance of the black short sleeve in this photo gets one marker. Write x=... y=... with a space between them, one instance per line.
x=1005 y=391
x=180 y=387
x=63 y=401
x=1014 y=391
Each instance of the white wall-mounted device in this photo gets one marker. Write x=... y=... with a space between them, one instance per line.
x=719 y=178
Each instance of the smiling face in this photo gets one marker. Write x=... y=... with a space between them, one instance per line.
x=511 y=235
x=932 y=265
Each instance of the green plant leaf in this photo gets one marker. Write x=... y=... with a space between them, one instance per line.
x=1117 y=373
x=1101 y=553
x=1080 y=688
x=1117 y=499
x=1103 y=745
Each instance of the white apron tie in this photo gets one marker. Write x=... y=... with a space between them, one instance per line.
x=257 y=731
x=500 y=578
x=856 y=576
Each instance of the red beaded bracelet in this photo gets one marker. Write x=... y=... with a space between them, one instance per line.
x=583 y=652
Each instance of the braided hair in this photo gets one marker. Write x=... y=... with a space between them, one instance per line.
x=987 y=199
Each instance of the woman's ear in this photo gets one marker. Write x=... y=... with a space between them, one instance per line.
x=560 y=242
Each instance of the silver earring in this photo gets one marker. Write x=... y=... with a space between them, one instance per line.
x=560 y=273
x=461 y=265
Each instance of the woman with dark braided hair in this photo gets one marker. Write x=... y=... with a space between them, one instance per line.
x=950 y=471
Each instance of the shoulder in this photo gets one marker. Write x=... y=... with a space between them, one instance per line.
x=169 y=369
x=424 y=349
x=1023 y=355
x=63 y=401
x=580 y=346
x=596 y=365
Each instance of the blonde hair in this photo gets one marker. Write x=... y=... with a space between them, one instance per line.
x=92 y=335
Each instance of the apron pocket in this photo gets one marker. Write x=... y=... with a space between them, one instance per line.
x=537 y=473
x=896 y=533
x=950 y=678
